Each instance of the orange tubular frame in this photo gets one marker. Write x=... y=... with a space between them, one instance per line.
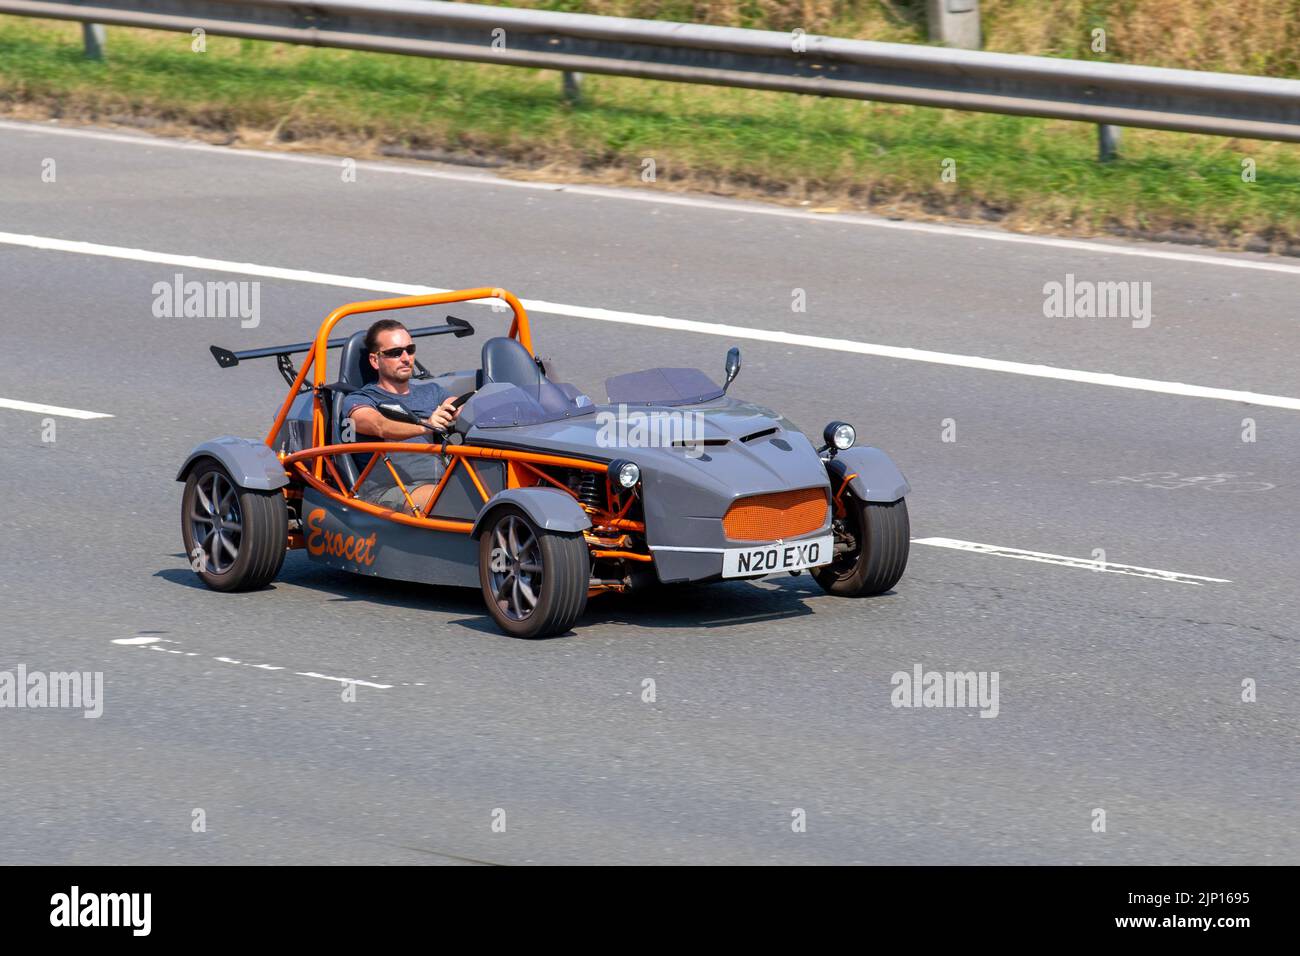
x=316 y=363
x=839 y=501
x=312 y=465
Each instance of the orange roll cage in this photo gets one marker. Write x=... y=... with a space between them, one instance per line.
x=314 y=466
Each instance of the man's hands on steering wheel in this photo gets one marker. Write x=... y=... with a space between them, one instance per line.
x=444 y=415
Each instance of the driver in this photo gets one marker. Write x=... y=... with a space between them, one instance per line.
x=391 y=353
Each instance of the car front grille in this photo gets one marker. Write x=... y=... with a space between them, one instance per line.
x=782 y=514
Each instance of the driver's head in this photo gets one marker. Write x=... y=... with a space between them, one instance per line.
x=392 y=353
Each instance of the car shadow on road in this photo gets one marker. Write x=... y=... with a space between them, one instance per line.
x=717 y=605
x=182 y=576
x=344 y=586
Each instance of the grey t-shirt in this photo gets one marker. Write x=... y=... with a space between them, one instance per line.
x=423 y=399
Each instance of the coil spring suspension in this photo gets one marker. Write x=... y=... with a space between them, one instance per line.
x=590 y=492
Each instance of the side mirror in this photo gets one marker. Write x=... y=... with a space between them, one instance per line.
x=733 y=366
x=398 y=413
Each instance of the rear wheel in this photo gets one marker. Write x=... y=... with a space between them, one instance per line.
x=534 y=581
x=871 y=545
x=234 y=537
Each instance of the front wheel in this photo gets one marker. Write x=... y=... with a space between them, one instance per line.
x=234 y=537
x=534 y=581
x=871 y=545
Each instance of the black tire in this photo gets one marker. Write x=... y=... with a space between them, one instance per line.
x=883 y=536
x=241 y=547
x=555 y=569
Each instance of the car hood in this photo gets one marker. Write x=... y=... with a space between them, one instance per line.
x=743 y=449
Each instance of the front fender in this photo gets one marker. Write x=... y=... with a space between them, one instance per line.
x=549 y=508
x=251 y=464
x=876 y=477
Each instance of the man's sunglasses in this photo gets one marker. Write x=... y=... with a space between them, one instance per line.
x=394 y=353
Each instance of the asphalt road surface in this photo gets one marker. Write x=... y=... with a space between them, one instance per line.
x=1120 y=692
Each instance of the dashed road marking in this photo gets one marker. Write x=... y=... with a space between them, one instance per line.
x=1084 y=564
x=343 y=680
x=154 y=644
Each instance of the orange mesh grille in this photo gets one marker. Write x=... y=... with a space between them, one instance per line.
x=783 y=514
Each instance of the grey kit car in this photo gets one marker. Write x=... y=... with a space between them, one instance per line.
x=546 y=497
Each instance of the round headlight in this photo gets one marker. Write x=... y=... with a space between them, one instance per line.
x=625 y=473
x=840 y=435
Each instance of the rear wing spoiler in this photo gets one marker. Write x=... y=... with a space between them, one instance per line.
x=228 y=359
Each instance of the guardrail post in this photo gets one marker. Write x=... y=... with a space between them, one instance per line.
x=954 y=23
x=1107 y=142
x=573 y=87
x=95 y=39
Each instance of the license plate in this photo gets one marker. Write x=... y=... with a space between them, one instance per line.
x=773 y=558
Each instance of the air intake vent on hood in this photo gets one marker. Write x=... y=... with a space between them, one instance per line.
x=763 y=434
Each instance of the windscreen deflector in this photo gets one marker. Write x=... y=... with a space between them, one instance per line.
x=531 y=405
x=662 y=386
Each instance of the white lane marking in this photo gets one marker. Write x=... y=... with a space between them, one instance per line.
x=666 y=322
x=1084 y=563
x=211 y=265
x=341 y=680
x=675 y=199
x=50 y=409
x=261 y=667
x=344 y=680
x=150 y=644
